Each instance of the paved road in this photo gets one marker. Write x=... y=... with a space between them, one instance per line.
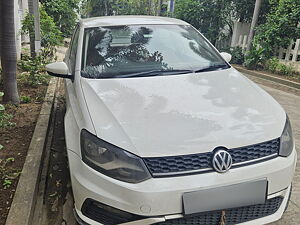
x=291 y=102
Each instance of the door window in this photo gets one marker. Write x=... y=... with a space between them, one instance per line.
x=73 y=51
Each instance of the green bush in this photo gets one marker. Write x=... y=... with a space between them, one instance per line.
x=272 y=65
x=4 y=117
x=25 y=99
x=237 y=55
x=281 y=26
x=33 y=69
x=254 y=58
x=65 y=12
x=285 y=70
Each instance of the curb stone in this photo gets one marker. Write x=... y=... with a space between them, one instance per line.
x=21 y=210
x=265 y=76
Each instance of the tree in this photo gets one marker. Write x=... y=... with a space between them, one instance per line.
x=8 y=52
x=51 y=35
x=242 y=10
x=281 y=27
x=208 y=16
x=64 y=14
x=31 y=35
x=92 y=8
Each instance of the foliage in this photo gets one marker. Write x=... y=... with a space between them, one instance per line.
x=5 y=120
x=119 y=7
x=50 y=34
x=91 y=8
x=25 y=99
x=4 y=117
x=7 y=183
x=243 y=10
x=2 y=108
x=284 y=69
x=63 y=13
x=7 y=173
x=272 y=64
x=137 y=7
x=255 y=58
x=237 y=55
x=34 y=68
x=208 y=16
x=281 y=27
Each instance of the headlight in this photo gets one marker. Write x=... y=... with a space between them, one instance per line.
x=286 y=140
x=111 y=160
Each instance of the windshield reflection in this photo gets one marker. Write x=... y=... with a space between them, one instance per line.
x=109 y=52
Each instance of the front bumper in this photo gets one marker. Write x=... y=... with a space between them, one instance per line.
x=160 y=199
x=210 y=217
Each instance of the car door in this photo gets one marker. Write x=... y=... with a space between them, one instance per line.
x=77 y=116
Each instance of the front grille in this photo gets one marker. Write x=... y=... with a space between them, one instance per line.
x=197 y=163
x=233 y=216
x=105 y=214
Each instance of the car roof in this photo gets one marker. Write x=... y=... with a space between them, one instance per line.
x=129 y=20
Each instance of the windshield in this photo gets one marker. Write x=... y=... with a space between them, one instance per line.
x=146 y=50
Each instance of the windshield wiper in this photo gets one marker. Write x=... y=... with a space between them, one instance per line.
x=212 y=68
x=155 y=72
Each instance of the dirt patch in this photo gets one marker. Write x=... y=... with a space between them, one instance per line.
x=58 y=178
x=16 y=140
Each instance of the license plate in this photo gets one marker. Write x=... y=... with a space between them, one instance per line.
x=232 y=196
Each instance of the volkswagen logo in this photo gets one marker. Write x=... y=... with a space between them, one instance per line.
x=222 y=161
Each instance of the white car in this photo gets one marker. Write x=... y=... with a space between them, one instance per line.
x=160 y=129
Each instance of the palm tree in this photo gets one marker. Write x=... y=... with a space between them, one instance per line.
x=8 y=52
x=31 y=34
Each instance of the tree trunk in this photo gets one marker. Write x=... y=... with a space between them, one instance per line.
x=253 y=24
x=31 y=34
x=159 y=7
x=8 y=52
x=0 y=36
x=37 y=27
x=149 y=7
x=106 y=8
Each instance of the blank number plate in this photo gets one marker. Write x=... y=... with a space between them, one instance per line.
x=232 y=196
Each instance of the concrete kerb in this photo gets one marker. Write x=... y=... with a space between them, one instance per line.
x=21 y=210
x=265 y=76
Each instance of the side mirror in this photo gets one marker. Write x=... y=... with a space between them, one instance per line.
x=226 y=56
x=58 y=69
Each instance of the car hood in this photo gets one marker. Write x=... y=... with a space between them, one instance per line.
x=182 y=114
